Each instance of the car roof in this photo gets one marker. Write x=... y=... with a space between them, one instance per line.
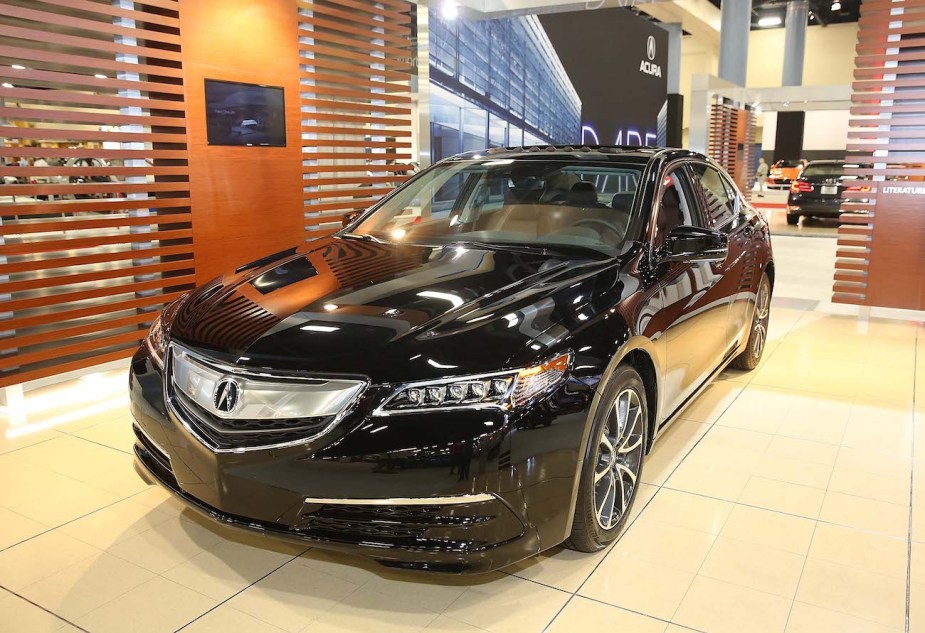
x=621 y=153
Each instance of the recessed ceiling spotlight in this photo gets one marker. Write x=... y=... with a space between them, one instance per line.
x=836 y=5
x=18 y=67
x=100 y=76
x=771 y=20
x=450 y=10
x=6 y=85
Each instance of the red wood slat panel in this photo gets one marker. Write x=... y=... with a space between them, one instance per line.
x=84 y=271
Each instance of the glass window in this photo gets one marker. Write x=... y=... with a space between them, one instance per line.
x=674 y=208
x=719 y=200
x=533 y=203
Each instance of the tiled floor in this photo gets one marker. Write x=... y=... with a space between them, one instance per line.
x=790 y=498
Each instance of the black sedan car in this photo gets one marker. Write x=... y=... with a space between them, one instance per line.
x=818 y=191
x=469 y=373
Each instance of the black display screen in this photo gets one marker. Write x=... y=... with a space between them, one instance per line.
x=245 y=114
x=618 y=63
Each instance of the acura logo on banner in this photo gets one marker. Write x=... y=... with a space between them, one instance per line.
x=649 y=67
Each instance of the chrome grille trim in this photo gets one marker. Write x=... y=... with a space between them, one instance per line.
x=195 y=424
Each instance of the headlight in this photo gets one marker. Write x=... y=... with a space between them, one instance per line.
x=503 y=390
x=157 y=341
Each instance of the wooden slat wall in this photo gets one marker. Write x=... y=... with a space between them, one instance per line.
x=886 y=137
x=356 y=104
x=730 y=129
x=96 y=236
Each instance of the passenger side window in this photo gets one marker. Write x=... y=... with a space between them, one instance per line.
x=719 y=200
x=674 y=208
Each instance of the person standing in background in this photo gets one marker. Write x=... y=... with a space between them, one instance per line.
x=761 y=175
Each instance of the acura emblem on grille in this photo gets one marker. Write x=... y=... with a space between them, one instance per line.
x=225 y=396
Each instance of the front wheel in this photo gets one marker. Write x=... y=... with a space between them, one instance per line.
x=758 y=334
x=610 y=474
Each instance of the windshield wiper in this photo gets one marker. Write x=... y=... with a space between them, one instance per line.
x=364 y=236
x=540 y=249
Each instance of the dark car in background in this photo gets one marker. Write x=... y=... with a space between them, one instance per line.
x=818 y=191
x=470 y=372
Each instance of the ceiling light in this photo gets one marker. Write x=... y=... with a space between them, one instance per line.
x=450 y=10
x=18 y=67
x=100 y=76
x=836 y=5
x=772 y=20
x=6 y=85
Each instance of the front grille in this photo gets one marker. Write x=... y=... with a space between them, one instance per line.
x=217 y=433
x=254 y=424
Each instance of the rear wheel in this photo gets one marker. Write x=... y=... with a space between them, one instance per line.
x=610 y=474
x=793 y=219
x=758 y=335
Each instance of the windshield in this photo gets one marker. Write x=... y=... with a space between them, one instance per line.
x=506 y=202
x=830 y=170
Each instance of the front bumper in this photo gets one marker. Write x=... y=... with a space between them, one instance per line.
x=468 y=492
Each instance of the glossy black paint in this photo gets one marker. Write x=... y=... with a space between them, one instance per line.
x=483 y=310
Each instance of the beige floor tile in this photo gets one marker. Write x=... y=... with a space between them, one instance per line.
x=84 y=586
x=446 y=624
x=719 y=607
x=18 y=615
x=158 y=605
x=865 y=514
x=889 y=488
x=782 y=497
x=225 y=619
x=638 y=585
x=688 y=510
x=771 y=529
x=166 y=545
x=804 y=450
x=41 y=557
x=558 y=567
x=507 y=603
x=13 y=438
x=73 y=457
x=870 y=551
x=15 y=528
x=116 y=523
x=806 y=618
x=917 y=607
x=116 y=433
x=293 y=596
x=228 y=568
x=716 y=480
x=369 y=610
x=670 y=448
x=794 y=471
x=917 y=563
x=581 y=614
x=755 y=566
x=664 y=544
x=884 y=464
x=854 y=591
x=712 y=402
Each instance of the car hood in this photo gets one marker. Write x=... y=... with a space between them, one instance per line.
x=392 y=311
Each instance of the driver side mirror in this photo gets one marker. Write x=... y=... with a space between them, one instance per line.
x=694 y=244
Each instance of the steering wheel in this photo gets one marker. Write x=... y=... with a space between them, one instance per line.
x=598 y=224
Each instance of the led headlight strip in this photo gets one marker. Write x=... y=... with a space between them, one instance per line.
x=503 y=390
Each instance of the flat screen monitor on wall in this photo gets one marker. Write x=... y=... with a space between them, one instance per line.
x=245 y=114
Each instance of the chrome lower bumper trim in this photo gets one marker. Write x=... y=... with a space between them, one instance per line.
x=406 y=501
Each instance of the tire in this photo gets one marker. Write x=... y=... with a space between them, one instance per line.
x=758 y=333
x=793 y=219
x=610 y=479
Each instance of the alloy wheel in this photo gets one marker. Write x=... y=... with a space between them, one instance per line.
x=619 y=458
x=762 y=311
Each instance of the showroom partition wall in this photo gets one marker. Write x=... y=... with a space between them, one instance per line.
x=95 y=222
x=356 y=62
x=116 y=161
x=881 y=237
